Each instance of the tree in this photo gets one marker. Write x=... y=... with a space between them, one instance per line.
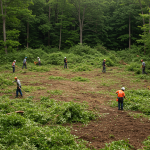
x=83 y=11
x=12 y=9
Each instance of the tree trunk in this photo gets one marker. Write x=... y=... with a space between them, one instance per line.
x=129 y=32
x=60 y=33
x=143 y=23
x=49 y=22
x=149 y=18
x=4 y=25
x=27 y=34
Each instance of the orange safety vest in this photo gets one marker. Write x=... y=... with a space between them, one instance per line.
x=13 y=63
x=120 y=93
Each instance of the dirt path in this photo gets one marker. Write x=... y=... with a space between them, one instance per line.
x=114 y=124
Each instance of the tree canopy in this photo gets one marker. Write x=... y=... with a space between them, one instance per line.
x=115 y=24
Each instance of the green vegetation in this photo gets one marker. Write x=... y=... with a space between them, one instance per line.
x=136 y=100
x=26 y=131
x=80 y=79
x=55 y=92
x=4 y=82
x=56 y=78
x=147 y=144
x=119 y=145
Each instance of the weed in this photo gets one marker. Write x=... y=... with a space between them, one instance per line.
x=111 y=136
x=82 y=68
x=118 y=145
x=56 y=78
x=55 y=92
x=40 y=88
x=80 y=79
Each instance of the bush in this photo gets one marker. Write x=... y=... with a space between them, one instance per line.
x=4 y=82
x=80 y=79
x=122 y=144
x=82 y=68
x=137 y=100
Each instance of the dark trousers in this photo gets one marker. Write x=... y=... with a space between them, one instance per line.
x=65 y=65
x=104 y=69
x=18 y=90
x=13 y=69
x=143 y=70
x=39 y=63
x=24 y=64
x=120 y=103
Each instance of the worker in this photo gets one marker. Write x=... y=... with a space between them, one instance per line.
x=143 y=67
x=104 y=66
x=18 y=87
x=13 y=65
x=65 y=62
x=120 y=97
x=39 y=61
x=24 y=63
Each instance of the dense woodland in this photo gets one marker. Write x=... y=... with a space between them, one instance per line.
x=115 y=24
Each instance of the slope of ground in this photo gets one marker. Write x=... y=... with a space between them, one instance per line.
x=113 y=124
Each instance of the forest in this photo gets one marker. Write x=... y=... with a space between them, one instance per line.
x=105 y=47
x=61 y=24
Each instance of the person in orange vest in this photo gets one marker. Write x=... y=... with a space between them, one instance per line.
x=13 y=65
x=65 y=62
x=120 y=97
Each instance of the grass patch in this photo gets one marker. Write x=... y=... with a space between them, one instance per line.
x=82 y=68
x=146 y=143
x=137 y=100
x=40 y=88
x=80 y=79
x=55 y=92
x=56 y=78
x=5 y=82
x=122 y=144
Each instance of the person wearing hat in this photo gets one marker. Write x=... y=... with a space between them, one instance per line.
x=143 y=67
x=65 y=62
x=24 y=63
x=120 y=97
x=13 y=65
x=104 y=66
x=18 y=87
x=39 y=61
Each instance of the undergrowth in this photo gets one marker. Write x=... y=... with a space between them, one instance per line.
x=26 y=131
x=137 y=100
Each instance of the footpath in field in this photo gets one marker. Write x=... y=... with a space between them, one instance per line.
x=113 y=125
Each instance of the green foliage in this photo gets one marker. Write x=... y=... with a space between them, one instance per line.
x=137 y=100
x=56 y=78
x=80 y=79
x=55 y=92
x=133 y=67
x=82 y=68
x=82 y=50
x=22 y=131
x=119 y=145
x=147 y=143
x=4 y=82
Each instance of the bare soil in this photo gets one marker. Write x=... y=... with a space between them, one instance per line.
x=113 y=125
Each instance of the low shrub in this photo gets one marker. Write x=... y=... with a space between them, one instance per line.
x=82 y=68
x=80 y=79
x=56 y=78
x=4 y=82
x=137 y=100
x=122 y=144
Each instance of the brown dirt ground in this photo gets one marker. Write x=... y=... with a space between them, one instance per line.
x=113 y=125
